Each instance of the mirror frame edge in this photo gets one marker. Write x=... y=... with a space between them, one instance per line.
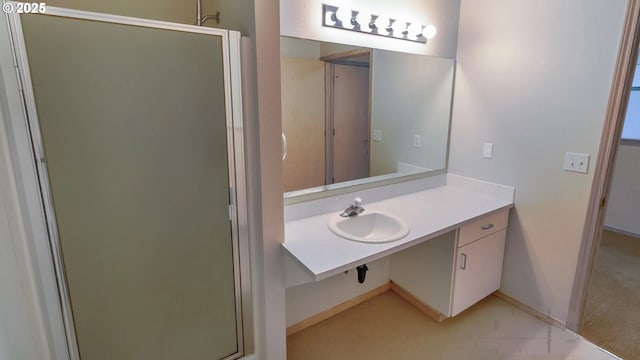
x=327 y=193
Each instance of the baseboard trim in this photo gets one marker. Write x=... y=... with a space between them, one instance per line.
x=529 y=310
x=299 y=326
x=424 y=308
x=620 y=231
x=435 y=315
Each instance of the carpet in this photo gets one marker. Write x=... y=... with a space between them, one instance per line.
x=612 y=312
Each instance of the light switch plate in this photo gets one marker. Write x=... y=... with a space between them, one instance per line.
x=576 y=162
x=487 y=151
x=377 y=135
x=417 y=141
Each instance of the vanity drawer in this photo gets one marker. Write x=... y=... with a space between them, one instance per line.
x=482 y=227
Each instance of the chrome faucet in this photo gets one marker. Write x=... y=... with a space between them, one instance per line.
x=354 y=209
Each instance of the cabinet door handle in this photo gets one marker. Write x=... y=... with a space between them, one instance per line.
x=487 y=227
x=463 y=266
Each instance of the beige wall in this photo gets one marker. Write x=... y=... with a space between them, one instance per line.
x=165 y=10
x=303 y=122
x=302 y=49
x=235 y=14
x=533 y=78
x=624 y=197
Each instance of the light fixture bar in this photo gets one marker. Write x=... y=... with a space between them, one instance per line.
x=360 y=21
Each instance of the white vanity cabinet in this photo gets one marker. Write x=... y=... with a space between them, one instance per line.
x=449 y=287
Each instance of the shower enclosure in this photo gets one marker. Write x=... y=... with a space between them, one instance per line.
x=135 y=135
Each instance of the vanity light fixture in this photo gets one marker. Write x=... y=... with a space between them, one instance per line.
x=362 y=21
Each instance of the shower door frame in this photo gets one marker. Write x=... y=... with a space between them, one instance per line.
x=39 y=213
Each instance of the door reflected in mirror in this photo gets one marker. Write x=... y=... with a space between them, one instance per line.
x=355 y=115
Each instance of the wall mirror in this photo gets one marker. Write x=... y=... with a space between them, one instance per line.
x=363 y=117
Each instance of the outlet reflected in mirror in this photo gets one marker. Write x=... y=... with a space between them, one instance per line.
x=356 y=115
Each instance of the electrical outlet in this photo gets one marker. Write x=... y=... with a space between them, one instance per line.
x=487 y=151
x=377 y=135
x=416 y=141
x=576 y=162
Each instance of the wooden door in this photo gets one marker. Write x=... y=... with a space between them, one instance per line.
x=303 y=122
x=350 y=122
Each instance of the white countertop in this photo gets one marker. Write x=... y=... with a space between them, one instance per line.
x=429 y=213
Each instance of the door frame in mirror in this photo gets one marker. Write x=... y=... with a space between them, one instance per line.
x=330 y=124
x=330 y=190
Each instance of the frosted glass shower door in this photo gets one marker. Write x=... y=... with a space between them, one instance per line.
x=134 y=127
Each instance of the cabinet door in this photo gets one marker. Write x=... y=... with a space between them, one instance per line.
x=478 y=271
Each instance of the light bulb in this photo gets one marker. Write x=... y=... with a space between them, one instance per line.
x=382 y=23
x=414 y=30
x=364 y=19
x=429 y=31
x=399 y=26
x=343 y=14
x=330 y=18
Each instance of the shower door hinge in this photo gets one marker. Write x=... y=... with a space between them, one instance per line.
x=41 y=156
x=230 y=211
x=19 y=76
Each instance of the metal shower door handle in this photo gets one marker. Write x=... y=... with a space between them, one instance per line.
x=284 y=146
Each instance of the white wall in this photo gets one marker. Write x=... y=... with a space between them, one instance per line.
x=264 y=145
x=623 y=210
x=410 y=95
x=304 y=301
x=533 y=78
x=21 y=330
x=303 y=18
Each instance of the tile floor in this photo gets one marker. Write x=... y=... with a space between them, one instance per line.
x=387 y=327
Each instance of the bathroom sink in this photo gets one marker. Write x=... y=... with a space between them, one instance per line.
x=369 y=227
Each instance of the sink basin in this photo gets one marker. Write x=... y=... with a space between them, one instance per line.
x=369 y=227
